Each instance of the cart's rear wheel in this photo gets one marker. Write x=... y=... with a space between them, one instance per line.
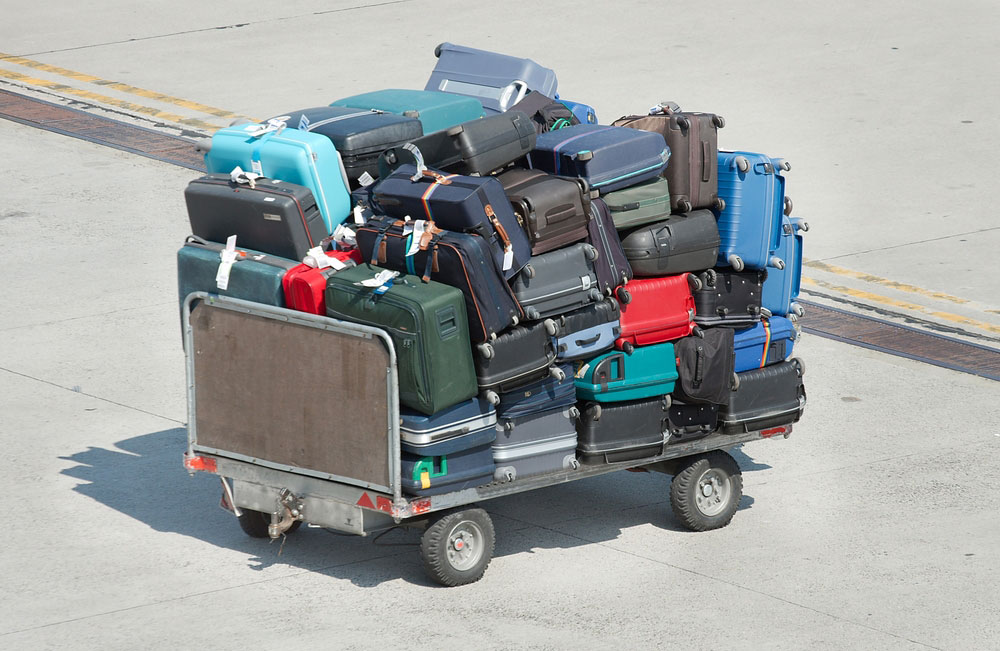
x=458 y=546
x=254 y=523
x=705 y=493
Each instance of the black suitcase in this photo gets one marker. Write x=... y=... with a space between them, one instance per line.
x=691 y=422
x=547 y=114
x=268 y=216
x=612 y=267
x=477 y=147
x=680 y=243
x=621 y=431
x=516 y=357
x=705 y=366
x=729 y=298
x=552 y=210
x=766 y=397
x=558 y=282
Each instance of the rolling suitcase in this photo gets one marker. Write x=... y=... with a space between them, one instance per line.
x=588 y=331
x=536 y=444
x=553 y=211
x=705 y=370
x=648 y=371
x=305 y=285
x=781 y=287
x=608 y=158
x=729 y=298
x=557 y=282
x=498 y=81
x=584 y=113
x=469 y=424
x=436 y=111
x=611 y=432
x=661 y=309
x=767 y=397
x=611 y=266
x=542 y=395
x=643 y=203
x=769 y=342
x=679 y=243
x=433 y=475
x=428 y=327
x=546 y=113
x=750 y=223
x=517 y=357
x=254 y=276
x=691 y=422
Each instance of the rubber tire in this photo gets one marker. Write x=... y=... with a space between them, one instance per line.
x=255 y=523
x=684 y=486
x=434 y=552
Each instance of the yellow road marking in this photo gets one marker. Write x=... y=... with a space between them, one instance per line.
x=868 y=278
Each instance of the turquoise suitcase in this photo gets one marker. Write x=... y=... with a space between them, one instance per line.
x=649 y=371
x=435 y=110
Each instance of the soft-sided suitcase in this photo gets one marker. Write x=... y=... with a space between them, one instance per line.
x=679 y=243
x=648 y=371
x=729 y=298
x=612 y=267
x=536 y=444
x=458 y=203
x=436 y=111
x=428 y=327
x=769 y=342
x=781 y=287
x=477 y=147
x=643 y=203
x=557 y=282
x=542 y=395
x=497 y=80
x=553 y=211
x=583 y=112
x=661 y=309
x=588 y=331
x=609 y=158
x=433 y=475
x=305 y=285
x=611 y=432
x=546 y=113
x=705 y=366
x=287 y=155
x=767 y=397
x=270 y=216
x=753 y=190
x=689 y=422
x=468 y=424
x=461 y=260
x=517 y=357
x=254 y=276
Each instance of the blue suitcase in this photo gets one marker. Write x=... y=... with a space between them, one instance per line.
x=587 y=332
x=433 y=475
x=648 y=371
x=753 y=190
x=436 y=111
x=608 y=158
x=585 y=114
x=288 y=155
x=498 y=81
x=781 y=287
x=254 y=276
x=468 y=424
x=768 y=342
x=545 y=394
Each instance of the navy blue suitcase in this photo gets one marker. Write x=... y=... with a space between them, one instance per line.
x=433 y=475
x=547 y=393
x=611 y=266
x=753 y=190
x=468 y=424
x=587 y=332
x=769 y=342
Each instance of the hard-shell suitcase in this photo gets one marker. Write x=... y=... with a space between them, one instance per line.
x=287 y=155
x=688 y=422
x=557 y=282
x=729 y=298
x=679 y=243
x=583 y=112
x=270 y=216
x=642 y=203
x=536 y=444
x=497 y=80
x=517 y=357
x=461 y=260
x=705 y=366
x=609 y=158
x=433 y=475
x=767 y=397
x=435 y=110
x=254 y=276
x=553 y=211
x=781 y=287
x=546 y=113
x=468 y=424
x=611 y=432
x=428 y=327
x=648 y=371
x=769 y=342
x=753 y=190
x=458 y=203
x=661 y=309
x=542 y=395
x=588 y=331
x=612 y=267
x=305 y=285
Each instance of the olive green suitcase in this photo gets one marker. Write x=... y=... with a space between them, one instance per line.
x=640 y=204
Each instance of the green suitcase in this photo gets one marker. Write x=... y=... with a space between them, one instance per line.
x=428 y=326
x=649 y=371
x=640 y=204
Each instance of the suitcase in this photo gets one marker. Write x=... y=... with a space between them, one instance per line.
x=542 y=395
x=648 y=371
x=705 y=366
x=497 y=80
x=287 y=155
x=517 y=357
x=766 y=397
x=469 y=424
x=428 y=327
x=661 y=309
x=553 y=211
x=536 y=444
x=679 y=243
x=305 y=285
x=458 y=203
x=728 y=298
x=769 y=342
x=611 y=432
x=546 y=113
x=643 y=203
x=433 y=475
x=436 y=111
x=584 y=113
x=557 y=282
x=588 y=331
x=461 y=260
x=781 y=287
x=612 y=267
x=753 y=190
x=254 y=276
x=691 y=422
x=609 y=158
x=359 y=135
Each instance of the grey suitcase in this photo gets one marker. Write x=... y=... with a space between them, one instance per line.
x=558 y=282
x=537 y=444
x=688 y=242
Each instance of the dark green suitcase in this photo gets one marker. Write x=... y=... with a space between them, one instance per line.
x=640 y=204
x=428 y=326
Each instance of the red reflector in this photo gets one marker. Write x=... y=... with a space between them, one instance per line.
x=383 y=504
x=421 y=506
x=203 y=464
x=365 y=502
x=768 y=433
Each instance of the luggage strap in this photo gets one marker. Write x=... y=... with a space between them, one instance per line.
x=508 y=248
x=767 y=341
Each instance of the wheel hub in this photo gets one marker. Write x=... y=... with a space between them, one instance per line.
x=464 y=545
x=713 y=492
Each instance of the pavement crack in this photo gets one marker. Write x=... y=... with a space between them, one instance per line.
x=899 y=246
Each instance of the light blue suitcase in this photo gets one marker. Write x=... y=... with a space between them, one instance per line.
x=436 y=111
x=769 y=342
x=289 y=155
x=781 y=287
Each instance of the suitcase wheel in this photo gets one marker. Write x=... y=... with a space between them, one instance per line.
x=718 y=121
x=684 y=205
x=596 y=295
x=551 y=327
x=766 y=313
x=803 y=225
x=797 y=310
x=698 y=332
x=623 y=295
x=694 y=282
x=492 y=397
x=683 y=122
x=591 y=253
x=390 y=157
x=596 y=410
x=584 y=155
x=437 y=51
x=574 y=412
x=736 y=381
x=720 y=204
x=711 y=277
x=667 y=401
x=742 y=164
x=454 y=131
x=532 y=313
x=486 y=350
x=557 y=373
x=528 y=271
x=783 y=164
x=788 y=206
x=776 y=262
x=800 y=364
x=735 y=261
x=628 y=347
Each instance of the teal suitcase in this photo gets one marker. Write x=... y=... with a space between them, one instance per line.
x=435 y=110
x=649 y=371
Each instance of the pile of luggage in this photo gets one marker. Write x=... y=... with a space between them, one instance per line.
x=558 y=291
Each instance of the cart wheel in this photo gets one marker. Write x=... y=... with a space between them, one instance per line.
x=254 y=523
x=458 y=546
x=742 y=164
x=705 y=494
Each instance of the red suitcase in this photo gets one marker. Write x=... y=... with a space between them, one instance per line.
x=305 y=286
x=661 y=309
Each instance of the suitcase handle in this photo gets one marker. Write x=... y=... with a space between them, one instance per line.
x=588 y=342
x=505 y=99
x=498 y=227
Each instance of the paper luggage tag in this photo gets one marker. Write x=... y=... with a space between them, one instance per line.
x=228 y=256
x=382 y=281
x=366 y=179
x=344 y=234
x=418 y=159
x=508 y=258
x=418 y=232
x=303 y=123
x=240 y=177
x=359 y=214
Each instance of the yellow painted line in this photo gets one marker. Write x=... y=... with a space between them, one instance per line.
x=868 y=278
x=885 y=300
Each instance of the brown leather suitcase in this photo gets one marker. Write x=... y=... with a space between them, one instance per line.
x=553 y=211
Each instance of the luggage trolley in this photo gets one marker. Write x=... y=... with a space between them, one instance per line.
x=298 y=415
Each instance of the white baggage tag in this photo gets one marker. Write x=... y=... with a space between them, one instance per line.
x=419 y=160
x=380 y=279
x=418 y=232
x=257 y=167
x=359 y=214
x=344 y=234
x=228 y=256
x=508 y=258
x=366 y=179
x=316 y=258
x=303 y=123
x=238 y=176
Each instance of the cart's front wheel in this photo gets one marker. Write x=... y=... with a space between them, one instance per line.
x=705 y=494
x=254 y=523
x=457 y=546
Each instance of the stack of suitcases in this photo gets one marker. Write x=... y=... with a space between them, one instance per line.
x=558 y=291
